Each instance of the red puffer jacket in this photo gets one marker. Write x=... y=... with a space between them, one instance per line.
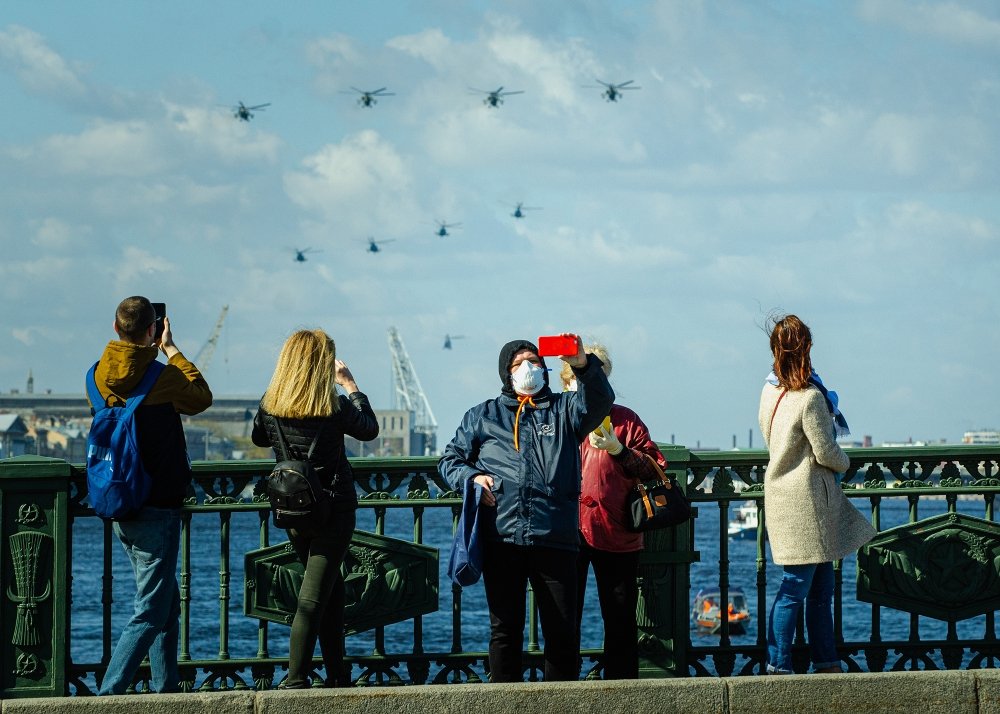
x=607 y=480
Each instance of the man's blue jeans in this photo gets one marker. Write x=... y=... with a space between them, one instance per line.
x=152 y=540
x=813 y=584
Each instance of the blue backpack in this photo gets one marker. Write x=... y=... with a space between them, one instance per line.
x=116 y=479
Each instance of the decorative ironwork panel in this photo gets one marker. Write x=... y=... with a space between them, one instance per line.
x=34 y=601
x=946 y=567
x=387 y=580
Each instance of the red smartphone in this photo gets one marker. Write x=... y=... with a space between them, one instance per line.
x=556 y=346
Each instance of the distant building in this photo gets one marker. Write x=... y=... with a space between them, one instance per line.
x=13 y=436
x=395 y=438
x=229 y=417
x=982 y=437
x=63 y=441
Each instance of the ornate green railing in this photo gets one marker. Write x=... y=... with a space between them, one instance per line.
x=949 y=477
x=45 y=524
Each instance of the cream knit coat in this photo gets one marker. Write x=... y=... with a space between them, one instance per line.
x=808 y=517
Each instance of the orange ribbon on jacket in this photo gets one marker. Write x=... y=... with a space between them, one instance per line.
x=521 y=401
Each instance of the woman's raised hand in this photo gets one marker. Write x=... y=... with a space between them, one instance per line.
x=344 y=378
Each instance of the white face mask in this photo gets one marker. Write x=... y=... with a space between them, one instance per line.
x=528 y=378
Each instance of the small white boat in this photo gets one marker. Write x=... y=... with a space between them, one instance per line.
x=743 y=524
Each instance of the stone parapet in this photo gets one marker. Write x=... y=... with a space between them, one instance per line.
x=926 y=692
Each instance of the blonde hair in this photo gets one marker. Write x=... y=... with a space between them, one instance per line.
x=303 y=384
x=594 y=348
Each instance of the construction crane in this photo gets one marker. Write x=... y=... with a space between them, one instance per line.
x=409 y=395
x=204 y=356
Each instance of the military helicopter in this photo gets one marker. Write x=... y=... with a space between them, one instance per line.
x=520 y=208
x=443 y=228
x=373 y=245
x=368 y=99
x=613 y=92
x=300 y=253
x=449 y=338
x=495 y=98
x=244 y=113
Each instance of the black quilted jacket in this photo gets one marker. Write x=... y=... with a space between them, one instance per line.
x=354 y=418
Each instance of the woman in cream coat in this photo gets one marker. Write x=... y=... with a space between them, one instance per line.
x=810 y=522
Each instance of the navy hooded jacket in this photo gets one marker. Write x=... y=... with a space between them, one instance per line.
x=537 y=487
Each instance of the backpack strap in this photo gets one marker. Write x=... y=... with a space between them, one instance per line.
x=281 y=440
x=98 y=401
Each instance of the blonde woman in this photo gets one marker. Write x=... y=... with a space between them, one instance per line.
x=302 y=398
x=611 y=460
x=810 y=522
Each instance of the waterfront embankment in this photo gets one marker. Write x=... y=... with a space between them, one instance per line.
x=926 y=692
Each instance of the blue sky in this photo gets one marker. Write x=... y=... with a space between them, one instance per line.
x=838 y=160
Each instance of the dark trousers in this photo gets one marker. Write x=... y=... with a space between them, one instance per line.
x=320 y=609
x=507 y=569
x=618 y=593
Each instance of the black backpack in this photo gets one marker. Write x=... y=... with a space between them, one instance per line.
x=298 y=498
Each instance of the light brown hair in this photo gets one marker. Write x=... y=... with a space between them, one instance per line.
x=594 y=348
x=791 y=341
x=133 y=317
x=304 y=384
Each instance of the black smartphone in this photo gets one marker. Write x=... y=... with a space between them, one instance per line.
x=160 y=310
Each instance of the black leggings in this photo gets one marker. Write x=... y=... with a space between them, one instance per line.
x=507 y=569
x=618 y=591
x=320 y=610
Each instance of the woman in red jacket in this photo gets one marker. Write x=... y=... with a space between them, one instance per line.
x=611 y=461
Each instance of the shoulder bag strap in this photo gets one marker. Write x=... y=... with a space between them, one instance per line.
x=659 y=471
x=144 y=387
x=771 y=423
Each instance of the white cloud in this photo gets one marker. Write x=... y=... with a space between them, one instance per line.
x=197 y=131
x=556 y=68
x=57 y=235
x=39 y=68
x=948 y=20
x=430 y=45
x=107 y=148
x=138 y=262
x=358 y=182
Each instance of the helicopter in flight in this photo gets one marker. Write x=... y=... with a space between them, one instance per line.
x=613 y=92
x=449 y=338
x=495 y=98
x=370 y=99
x=300 y=253
x=244 y=113
x=373 y=245
x=520 y=208
x=443 y=228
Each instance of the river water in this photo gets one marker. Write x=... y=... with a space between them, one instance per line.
x=206 y=604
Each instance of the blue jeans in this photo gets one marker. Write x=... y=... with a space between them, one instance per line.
x=152 y=540
x=813 y=584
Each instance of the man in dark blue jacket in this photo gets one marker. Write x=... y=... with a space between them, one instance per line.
x=523 y=447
